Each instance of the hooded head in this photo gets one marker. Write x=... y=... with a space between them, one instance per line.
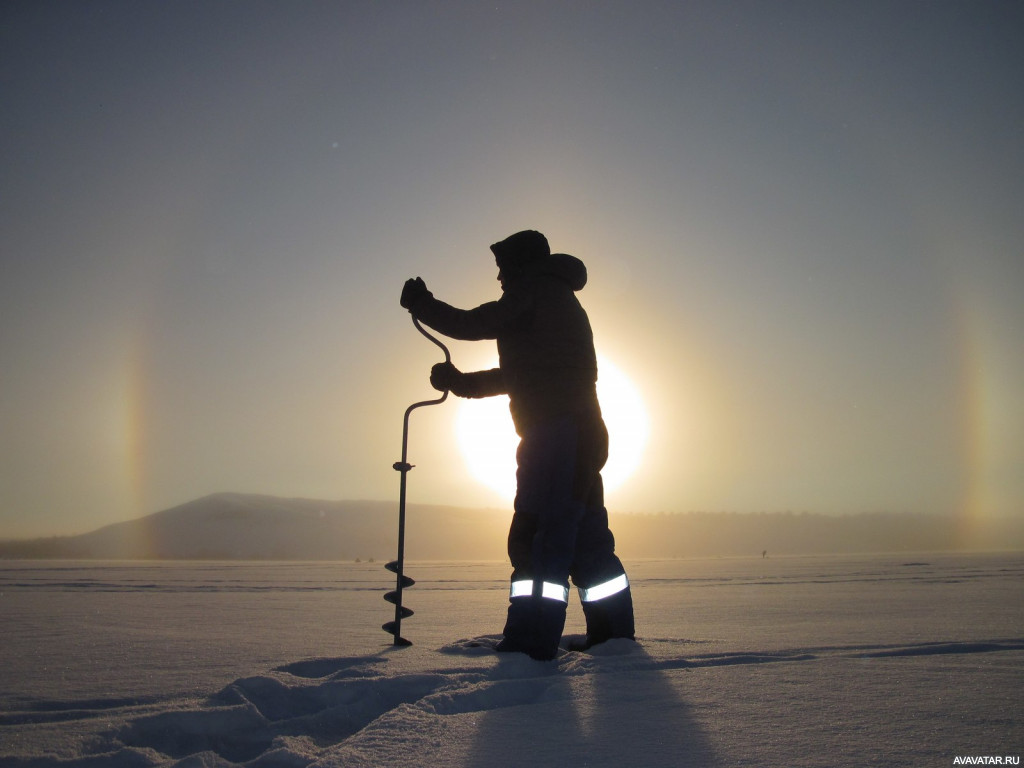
x=516 y=253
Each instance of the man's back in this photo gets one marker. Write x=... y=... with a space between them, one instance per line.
x=547 y=352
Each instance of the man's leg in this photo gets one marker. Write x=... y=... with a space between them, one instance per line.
x=542 y=538
x=596 y=570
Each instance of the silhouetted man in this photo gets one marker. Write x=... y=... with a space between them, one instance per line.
x=548 y=368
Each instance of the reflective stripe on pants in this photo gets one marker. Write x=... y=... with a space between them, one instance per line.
x=524 y=588
x=605 y=589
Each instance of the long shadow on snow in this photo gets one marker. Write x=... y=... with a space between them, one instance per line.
x=612 y=707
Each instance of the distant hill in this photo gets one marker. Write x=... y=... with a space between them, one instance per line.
x=236 y=526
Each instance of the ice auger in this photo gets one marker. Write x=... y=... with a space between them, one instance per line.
x=396 y=566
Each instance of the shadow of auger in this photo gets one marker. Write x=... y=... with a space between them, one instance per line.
x=397 y=565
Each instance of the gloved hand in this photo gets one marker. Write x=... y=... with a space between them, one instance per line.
x=413 y=291
x=444 y=376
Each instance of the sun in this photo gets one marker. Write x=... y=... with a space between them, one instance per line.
x=488 y=441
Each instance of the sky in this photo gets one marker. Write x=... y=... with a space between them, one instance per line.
x=801 y=222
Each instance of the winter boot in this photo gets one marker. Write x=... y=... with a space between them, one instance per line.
x=534 y=627
x=609 y=617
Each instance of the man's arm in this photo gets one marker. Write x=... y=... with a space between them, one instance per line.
x=482 y=384
x=445 y=376
x=483 y=322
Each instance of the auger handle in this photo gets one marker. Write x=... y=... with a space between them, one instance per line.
x=421 y=329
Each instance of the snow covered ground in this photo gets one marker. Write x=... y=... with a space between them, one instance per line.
x=898 y=660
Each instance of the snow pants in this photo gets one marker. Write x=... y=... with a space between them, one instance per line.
x=560 y=530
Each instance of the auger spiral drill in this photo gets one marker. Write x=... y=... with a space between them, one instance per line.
x=397 y=566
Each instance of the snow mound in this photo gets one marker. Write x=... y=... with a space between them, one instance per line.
x=472 y=646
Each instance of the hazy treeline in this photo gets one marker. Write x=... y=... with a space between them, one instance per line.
x=698 y=534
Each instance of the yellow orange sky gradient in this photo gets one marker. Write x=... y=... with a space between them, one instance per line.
x=801 y=225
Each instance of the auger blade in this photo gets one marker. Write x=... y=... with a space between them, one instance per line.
x=390 y=629
x=393 y=567
x=392 y=597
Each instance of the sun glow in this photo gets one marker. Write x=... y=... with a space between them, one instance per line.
x=488 y=441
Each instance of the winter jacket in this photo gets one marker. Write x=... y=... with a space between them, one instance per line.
x=546 y=359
